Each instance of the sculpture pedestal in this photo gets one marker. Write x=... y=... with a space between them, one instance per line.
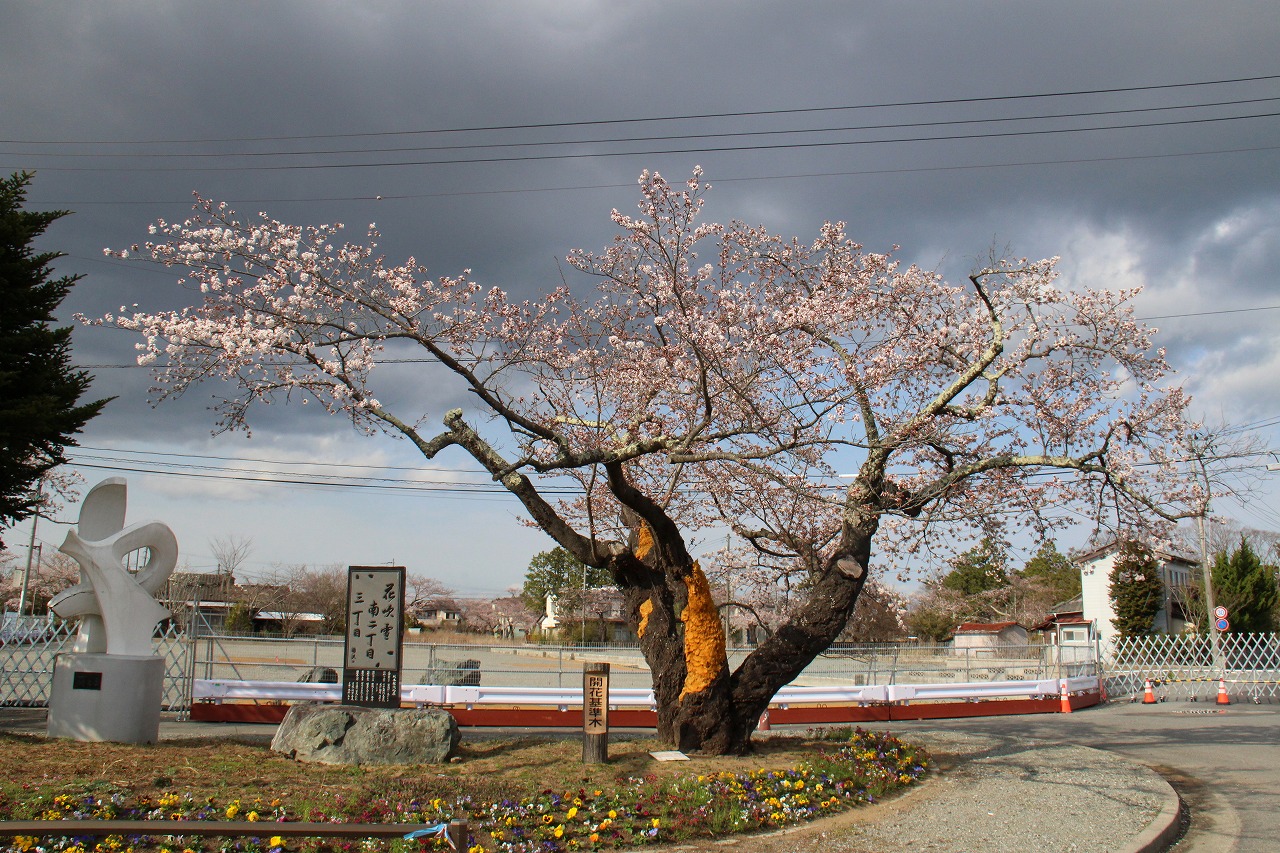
x=98 y=697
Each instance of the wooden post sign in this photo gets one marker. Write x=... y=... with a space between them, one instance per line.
x=375 y=630
x=595 y=713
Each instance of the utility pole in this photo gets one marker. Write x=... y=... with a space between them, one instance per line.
x=31 y=548
x=1209 y=604
x=728 y=590
x=1200 y=446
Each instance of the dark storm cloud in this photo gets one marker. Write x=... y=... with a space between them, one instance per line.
x=1190 y=211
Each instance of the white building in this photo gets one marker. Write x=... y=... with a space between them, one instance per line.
x=604 y=614
x=1095 y=580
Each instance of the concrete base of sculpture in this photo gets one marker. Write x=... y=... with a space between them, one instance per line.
x=98 y=697
x=346 y=734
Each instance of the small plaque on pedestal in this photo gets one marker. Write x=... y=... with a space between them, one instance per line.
x=100 y=697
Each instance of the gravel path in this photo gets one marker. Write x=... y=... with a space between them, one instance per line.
x=994 y=794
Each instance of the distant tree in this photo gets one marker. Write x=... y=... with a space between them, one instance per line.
x=1136 y=589
x=980 y=569
x=979 y=588
x=877 y=617
x=425 y=592
x=506 y=617
x=1246 y=586
x=230 y=552
x=559 y=573
x=1054 y=572
x=934 y=612
x=39 y=391
x=239 y=619
x=323 y=590
x=49 y=576
x=265 y=596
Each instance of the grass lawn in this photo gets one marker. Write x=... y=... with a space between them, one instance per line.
x=520 y=794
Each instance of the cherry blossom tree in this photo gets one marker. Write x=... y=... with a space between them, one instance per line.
x=53 y=573
x=716 y=374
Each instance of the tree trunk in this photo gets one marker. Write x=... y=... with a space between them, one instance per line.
x=701 y=706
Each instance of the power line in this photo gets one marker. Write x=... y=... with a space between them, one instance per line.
x=193 y=466
x=472 y=146
x=526 y=158
x=477 y=489
x=1208 y=313
x=722 y=180
x=283 y=461
x=669 y=118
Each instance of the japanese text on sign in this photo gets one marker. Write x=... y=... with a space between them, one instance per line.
x=375 y=618
x=595 y=703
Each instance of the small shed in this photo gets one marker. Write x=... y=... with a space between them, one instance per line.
x=988 y=636
x=1066 y=625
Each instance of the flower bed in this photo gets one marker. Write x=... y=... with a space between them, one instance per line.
x=848 y=768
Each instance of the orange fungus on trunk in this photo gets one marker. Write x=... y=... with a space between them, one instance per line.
x=644 y=542
x=704 y=644
x=645 y=609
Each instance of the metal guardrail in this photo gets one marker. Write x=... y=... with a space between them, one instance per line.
x=217 y=690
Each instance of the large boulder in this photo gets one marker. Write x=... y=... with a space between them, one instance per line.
x=347 y=734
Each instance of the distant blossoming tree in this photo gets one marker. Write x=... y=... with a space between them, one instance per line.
x=716 y=374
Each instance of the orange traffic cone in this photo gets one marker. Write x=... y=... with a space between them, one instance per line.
x=1066 y=698
x=763 y=725
x=1148 y=695
x=1223 y=698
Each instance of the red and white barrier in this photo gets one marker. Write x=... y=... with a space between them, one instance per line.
x=230 y=700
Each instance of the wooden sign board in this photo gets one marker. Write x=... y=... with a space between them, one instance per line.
x=375 y=632
x=595 y=702
x=595 y=713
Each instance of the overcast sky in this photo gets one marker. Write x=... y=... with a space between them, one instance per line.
x=473 y=134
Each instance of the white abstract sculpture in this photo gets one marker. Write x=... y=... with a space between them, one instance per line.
x=118 y=611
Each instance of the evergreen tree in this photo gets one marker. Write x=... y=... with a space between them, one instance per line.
x=38 y=388
x=980 y=569
x=557 y=572
x=1136 y=589
x=1246 y=587
x=1054 y=571
x=239 y=620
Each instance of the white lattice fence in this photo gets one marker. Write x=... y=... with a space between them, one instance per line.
x=26 y=664
x=27 y=649
x=1185 y=666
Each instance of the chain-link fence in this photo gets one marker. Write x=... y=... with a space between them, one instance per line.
x=1188 y=666
x=29 y=644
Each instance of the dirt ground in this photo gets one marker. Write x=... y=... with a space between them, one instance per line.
x=245 y=768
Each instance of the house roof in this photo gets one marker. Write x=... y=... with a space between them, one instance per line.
x=296 y=617
x=1061 y=620
x=985 y=627
x=1114 y=545
x=1071 y=605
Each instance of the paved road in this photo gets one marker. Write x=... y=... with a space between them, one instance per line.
x=1225 y=765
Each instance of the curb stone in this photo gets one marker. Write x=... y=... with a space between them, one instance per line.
x=1162 y=831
